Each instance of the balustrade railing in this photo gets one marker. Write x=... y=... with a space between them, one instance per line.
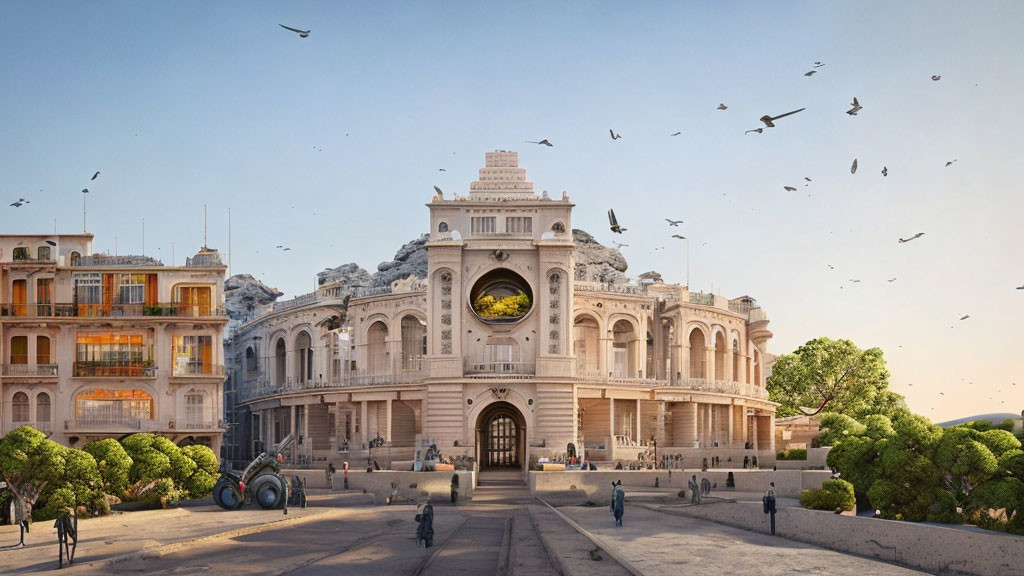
x=632 y=289
x=115 y=310
x=44 y=427
x=198 y=369
x=105 y=370
x=485 y=369
x=29 y=369
x=111 y=423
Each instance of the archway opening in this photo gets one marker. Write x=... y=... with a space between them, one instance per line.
x=501 y=437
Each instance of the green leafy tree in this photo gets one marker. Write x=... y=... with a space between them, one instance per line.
x=999 y=441
x=834 y=494
x=149 y=465
x=827 y=375
x=114 y=464
x=80 y=484
x=29 y=462
x=836 y=427
x=202 y=480
x=908 y=483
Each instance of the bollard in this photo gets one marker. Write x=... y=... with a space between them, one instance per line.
x=346 y=475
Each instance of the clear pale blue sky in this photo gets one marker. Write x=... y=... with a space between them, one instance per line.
x=181 y=104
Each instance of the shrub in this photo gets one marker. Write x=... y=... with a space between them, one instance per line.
x=834 y=494
x=114 y=464
x=792 y=454
x=202 y=480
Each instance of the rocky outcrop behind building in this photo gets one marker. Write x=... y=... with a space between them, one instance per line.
x=596 y=262
x=243 y=294
x=348 y=275
x=410 y=260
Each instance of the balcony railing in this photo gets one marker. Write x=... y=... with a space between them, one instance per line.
x=63 y=310
x=632 y=289
x=195 y=425
x=694 y=384
x=496 y=369
x=111 y=423
x=44 y=427
x=702 y=298
x=262 y=387
x=198 y=369
x=105 y=370
x=29 y=369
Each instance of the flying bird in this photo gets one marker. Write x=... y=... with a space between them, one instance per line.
x=286 y=249
x=965 y=316
x=789 y=188
x=885 y=170
x=893 y=279
x=301 y=33
x=914 y=237
x=856 y=107
x=853 y=167
x=854 y=281
x=811 y=73
x=620 y=245
x=758 y=130
x=808 y=179
x=544 y=142
x=441 y=170
x=94 y=176
x=1021 y=287
x=673 y=222
x=675 y=134
x=19 y=203
x=769 y=120
x=614 y=223
x=722 y=106
x=950 y=162
x=679 y=237
x=819 y=64
x=614 y=135
x=936 y=78
x=831 y=267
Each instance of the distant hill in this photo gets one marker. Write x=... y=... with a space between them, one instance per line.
x=993 y=418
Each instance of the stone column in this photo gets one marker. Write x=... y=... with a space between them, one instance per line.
x=291 y=430
x=684 y=350
x=605 y=360
x=638 y=420
x=729 y=361
x=709 y=363
x=732 y=414
x=387 y=428
x=364 y=423
x=611 y=428
x=754 y=435
x=771 y=437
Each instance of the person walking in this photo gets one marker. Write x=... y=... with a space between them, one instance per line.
x=619 y=503
x=694 y=490
x=425 y=530
x=769 y=504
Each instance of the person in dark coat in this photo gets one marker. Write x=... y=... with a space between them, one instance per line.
x=425 y=530
x=694 y=490
x=455 y=488
x=769 y=504
x=619 y=503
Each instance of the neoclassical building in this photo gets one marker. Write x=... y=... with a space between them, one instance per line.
x=503 y=355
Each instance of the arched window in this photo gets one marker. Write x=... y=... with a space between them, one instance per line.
x=624 y=343
x=586 y=346
x=442 y=227
x=414 y=342
x=697 y=347
x=303 y=357
x=19 y=408
x=76 y=258
x=720 y=356
x=43 y=408
x=250 y=360
x=195 y=411
x=279 y=362
x=377 y=358
x=113 y=407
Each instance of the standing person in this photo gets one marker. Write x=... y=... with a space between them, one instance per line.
x=619 y=503
x=769 y=504
x=694 y=490
x=455 y=488
x=425 y=530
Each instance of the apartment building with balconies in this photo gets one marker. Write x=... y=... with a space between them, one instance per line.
x=95 y=346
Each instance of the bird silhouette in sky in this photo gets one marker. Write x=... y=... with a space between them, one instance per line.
x=441 y=170
x=769 y=121
x=819 y=64
x=722 y=106
x=808 y=179
x=789 y=188
x=614 y=223
x=675 y=134
x=950 y=162
x=620 y=245
x=885 y=171
x=914 y=237
x=965 y=316
x=856 y=107
x=544 y=142
x=301 y=33
x=94 y=176
x=831 y=267
x=811 y=73
x=438 y=190
x=1021 y=287
x=19 y=203
x=893 y=279
x=679 y=237
x=853 y=167
x=758 y=130
x=614 y=135
x=936 y=78
x=855 y=281
x=673 y=222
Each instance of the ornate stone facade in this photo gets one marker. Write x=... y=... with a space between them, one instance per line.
x=504 y=355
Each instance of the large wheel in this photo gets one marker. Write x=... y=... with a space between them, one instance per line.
x=268 y=492
x=227 y=495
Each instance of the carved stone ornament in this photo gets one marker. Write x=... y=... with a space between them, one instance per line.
x=500 y=393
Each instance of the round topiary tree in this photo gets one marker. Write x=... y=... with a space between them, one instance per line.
x=114 y=465
x=207 y=470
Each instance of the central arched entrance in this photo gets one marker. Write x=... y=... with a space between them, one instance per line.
x=501 y=437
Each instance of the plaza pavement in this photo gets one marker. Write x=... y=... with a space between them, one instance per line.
x=344 y=533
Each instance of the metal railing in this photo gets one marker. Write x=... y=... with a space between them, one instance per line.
x=702 y=298
x=114 y=310
x=486 y=369
x=108 y=370
x=44 y=427
x=694 y=384
x=195 y=425
x=29 y=369
x=632 y=289
x=198 y=369
x=111 y=423
x=262 y=387
x=32 y=261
